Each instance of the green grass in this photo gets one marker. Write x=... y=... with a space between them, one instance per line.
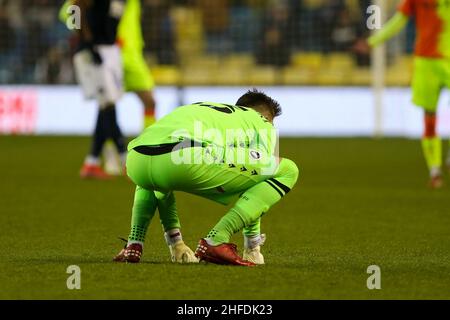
x=358 y=202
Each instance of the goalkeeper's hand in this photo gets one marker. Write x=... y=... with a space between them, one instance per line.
x=181 y=253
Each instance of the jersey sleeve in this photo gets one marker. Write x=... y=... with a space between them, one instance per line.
x=407 y=7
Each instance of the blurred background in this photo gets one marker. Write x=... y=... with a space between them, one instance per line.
x=220 y=42
x=307 y=46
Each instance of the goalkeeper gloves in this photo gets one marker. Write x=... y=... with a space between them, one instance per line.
x=181 y=253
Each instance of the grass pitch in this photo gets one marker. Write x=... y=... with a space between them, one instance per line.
x=358 y=202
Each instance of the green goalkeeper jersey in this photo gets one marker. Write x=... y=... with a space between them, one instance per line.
x=222 y=125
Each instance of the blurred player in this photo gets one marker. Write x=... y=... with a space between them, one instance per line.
x=136 y=74
x=431 y=68
x=220 y=152
x=98 y=67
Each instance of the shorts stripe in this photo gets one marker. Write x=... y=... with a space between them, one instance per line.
x=285 y=188
x=275 y=187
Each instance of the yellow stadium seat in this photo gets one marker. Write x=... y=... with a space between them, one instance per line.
x=398 y=77
x=263 y=76
x=328 y=77
x=404 y=62
x=231 y=76
x=187 y=49
x=299 y=76
x=188 y=31
x=192 y=76
x=339 y=61
x=238 y=60
x=202 y=61
x=166 y=75
x=361 y=77
x=307 y=60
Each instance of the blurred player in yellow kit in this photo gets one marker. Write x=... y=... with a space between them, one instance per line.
x=136 y=74
x=431 y=68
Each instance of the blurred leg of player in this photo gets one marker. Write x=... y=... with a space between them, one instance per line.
x=428 y=80
x=112 y=161
x=148 y=102
x=117 y=139
x=103 y=81
x=446 y=75
x=137 y=79
x=432 y=150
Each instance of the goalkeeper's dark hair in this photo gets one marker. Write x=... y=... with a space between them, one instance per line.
x=257 y=99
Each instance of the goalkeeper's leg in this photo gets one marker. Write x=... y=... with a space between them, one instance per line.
x=248 y=209
x=179 y=251
x=144 y=208
x=138 y=79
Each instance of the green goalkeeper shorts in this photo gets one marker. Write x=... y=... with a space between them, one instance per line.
x=430 y=76
x=137 y=75
x=220 y=182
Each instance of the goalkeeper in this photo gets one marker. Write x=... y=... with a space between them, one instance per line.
x=220 y=152
x=431 y=68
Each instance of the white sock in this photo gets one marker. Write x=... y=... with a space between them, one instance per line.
x=91 y=160
x=210 y=242
x=134 y=242
x=251 y=242
x=173 y=236
x=435 y=171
